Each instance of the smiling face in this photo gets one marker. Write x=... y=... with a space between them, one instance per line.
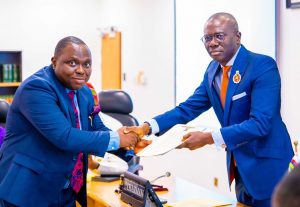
x=225 y=40
x=72 y=65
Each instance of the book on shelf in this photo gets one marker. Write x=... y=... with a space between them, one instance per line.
x=9 y=73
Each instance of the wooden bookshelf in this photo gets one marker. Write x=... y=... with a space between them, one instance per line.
x=10 y=73
x=13 y=84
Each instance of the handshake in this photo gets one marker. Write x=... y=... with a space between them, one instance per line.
x=131 y=138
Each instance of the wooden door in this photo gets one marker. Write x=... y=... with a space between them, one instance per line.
x=111 y=61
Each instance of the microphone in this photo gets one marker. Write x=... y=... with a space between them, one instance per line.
x=167 y=174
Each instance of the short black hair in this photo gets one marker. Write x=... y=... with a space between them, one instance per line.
x=287 y=193
x=64 y=42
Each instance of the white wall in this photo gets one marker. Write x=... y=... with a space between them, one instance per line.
x=192 y=58
x=35 y=27
x=288 y=59
x=147 y=45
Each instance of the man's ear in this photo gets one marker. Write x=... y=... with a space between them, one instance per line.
x=239 y=36
x=53 y=61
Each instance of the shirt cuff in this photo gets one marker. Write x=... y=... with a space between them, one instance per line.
x=154 y=126
x=114 y=142
x=129 y=153
x=218 y=139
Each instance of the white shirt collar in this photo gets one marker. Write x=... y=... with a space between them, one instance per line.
x=231 y=61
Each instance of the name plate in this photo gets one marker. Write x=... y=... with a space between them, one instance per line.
x=138 y=192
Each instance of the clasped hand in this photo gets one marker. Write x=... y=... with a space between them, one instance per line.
x=131 y=138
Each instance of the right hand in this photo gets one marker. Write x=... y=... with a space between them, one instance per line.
x=127 y=140
x=141 y=130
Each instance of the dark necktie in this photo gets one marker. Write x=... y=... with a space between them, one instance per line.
x=77 y=174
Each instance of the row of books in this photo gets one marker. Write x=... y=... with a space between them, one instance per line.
x=10 y=73
x=8 y=98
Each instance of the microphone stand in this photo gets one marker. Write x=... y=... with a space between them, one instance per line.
x=160 y=187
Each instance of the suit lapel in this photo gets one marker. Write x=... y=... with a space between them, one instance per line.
x=215 y=99
x=66 y=105
x=239 y=66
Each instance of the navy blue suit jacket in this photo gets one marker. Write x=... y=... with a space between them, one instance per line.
x=42 y=142
x=252 y=126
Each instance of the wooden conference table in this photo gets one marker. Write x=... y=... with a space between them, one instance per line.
x=180 y=193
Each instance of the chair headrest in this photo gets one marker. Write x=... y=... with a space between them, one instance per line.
x=4 y=106
x=115 y=101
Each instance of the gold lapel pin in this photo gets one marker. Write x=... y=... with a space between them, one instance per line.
x=237 y=77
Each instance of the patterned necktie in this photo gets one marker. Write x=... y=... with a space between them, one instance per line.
x=77 y=174
x=224 y=84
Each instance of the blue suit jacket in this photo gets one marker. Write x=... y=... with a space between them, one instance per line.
x=42 y=142
x=252 y=127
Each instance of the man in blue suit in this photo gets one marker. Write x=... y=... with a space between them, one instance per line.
x=48 y=131
x=246 y=100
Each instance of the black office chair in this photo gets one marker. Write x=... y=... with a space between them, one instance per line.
x=118 y=104
x=4 y=106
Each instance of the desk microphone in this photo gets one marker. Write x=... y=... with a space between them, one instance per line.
x=167 y=174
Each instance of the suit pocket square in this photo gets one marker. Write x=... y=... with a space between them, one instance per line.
x=238 y=96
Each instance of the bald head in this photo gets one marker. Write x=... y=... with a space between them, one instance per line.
x=224 y=18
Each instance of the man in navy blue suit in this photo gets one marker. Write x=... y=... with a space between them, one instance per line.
x=246 y=100
x=48 y=131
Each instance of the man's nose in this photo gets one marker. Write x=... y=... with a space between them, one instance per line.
x=80 y=69
x=213 y=42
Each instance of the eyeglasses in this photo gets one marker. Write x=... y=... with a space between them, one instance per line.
x=220 y=36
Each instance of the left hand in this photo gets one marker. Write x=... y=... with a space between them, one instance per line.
x=195 y=140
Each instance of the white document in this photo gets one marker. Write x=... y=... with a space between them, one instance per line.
x=168 y=141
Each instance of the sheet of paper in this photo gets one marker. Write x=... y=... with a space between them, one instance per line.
x=168 y=141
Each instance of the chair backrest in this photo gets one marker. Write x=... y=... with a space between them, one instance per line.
x=4 y=106
x=117 y=104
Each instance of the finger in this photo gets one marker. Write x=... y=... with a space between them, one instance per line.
x=143 y=143
x=147 y=142
x=185 y=137
x=126 y=131
x=134 y=140
x=180 y=146
x=129 y=129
